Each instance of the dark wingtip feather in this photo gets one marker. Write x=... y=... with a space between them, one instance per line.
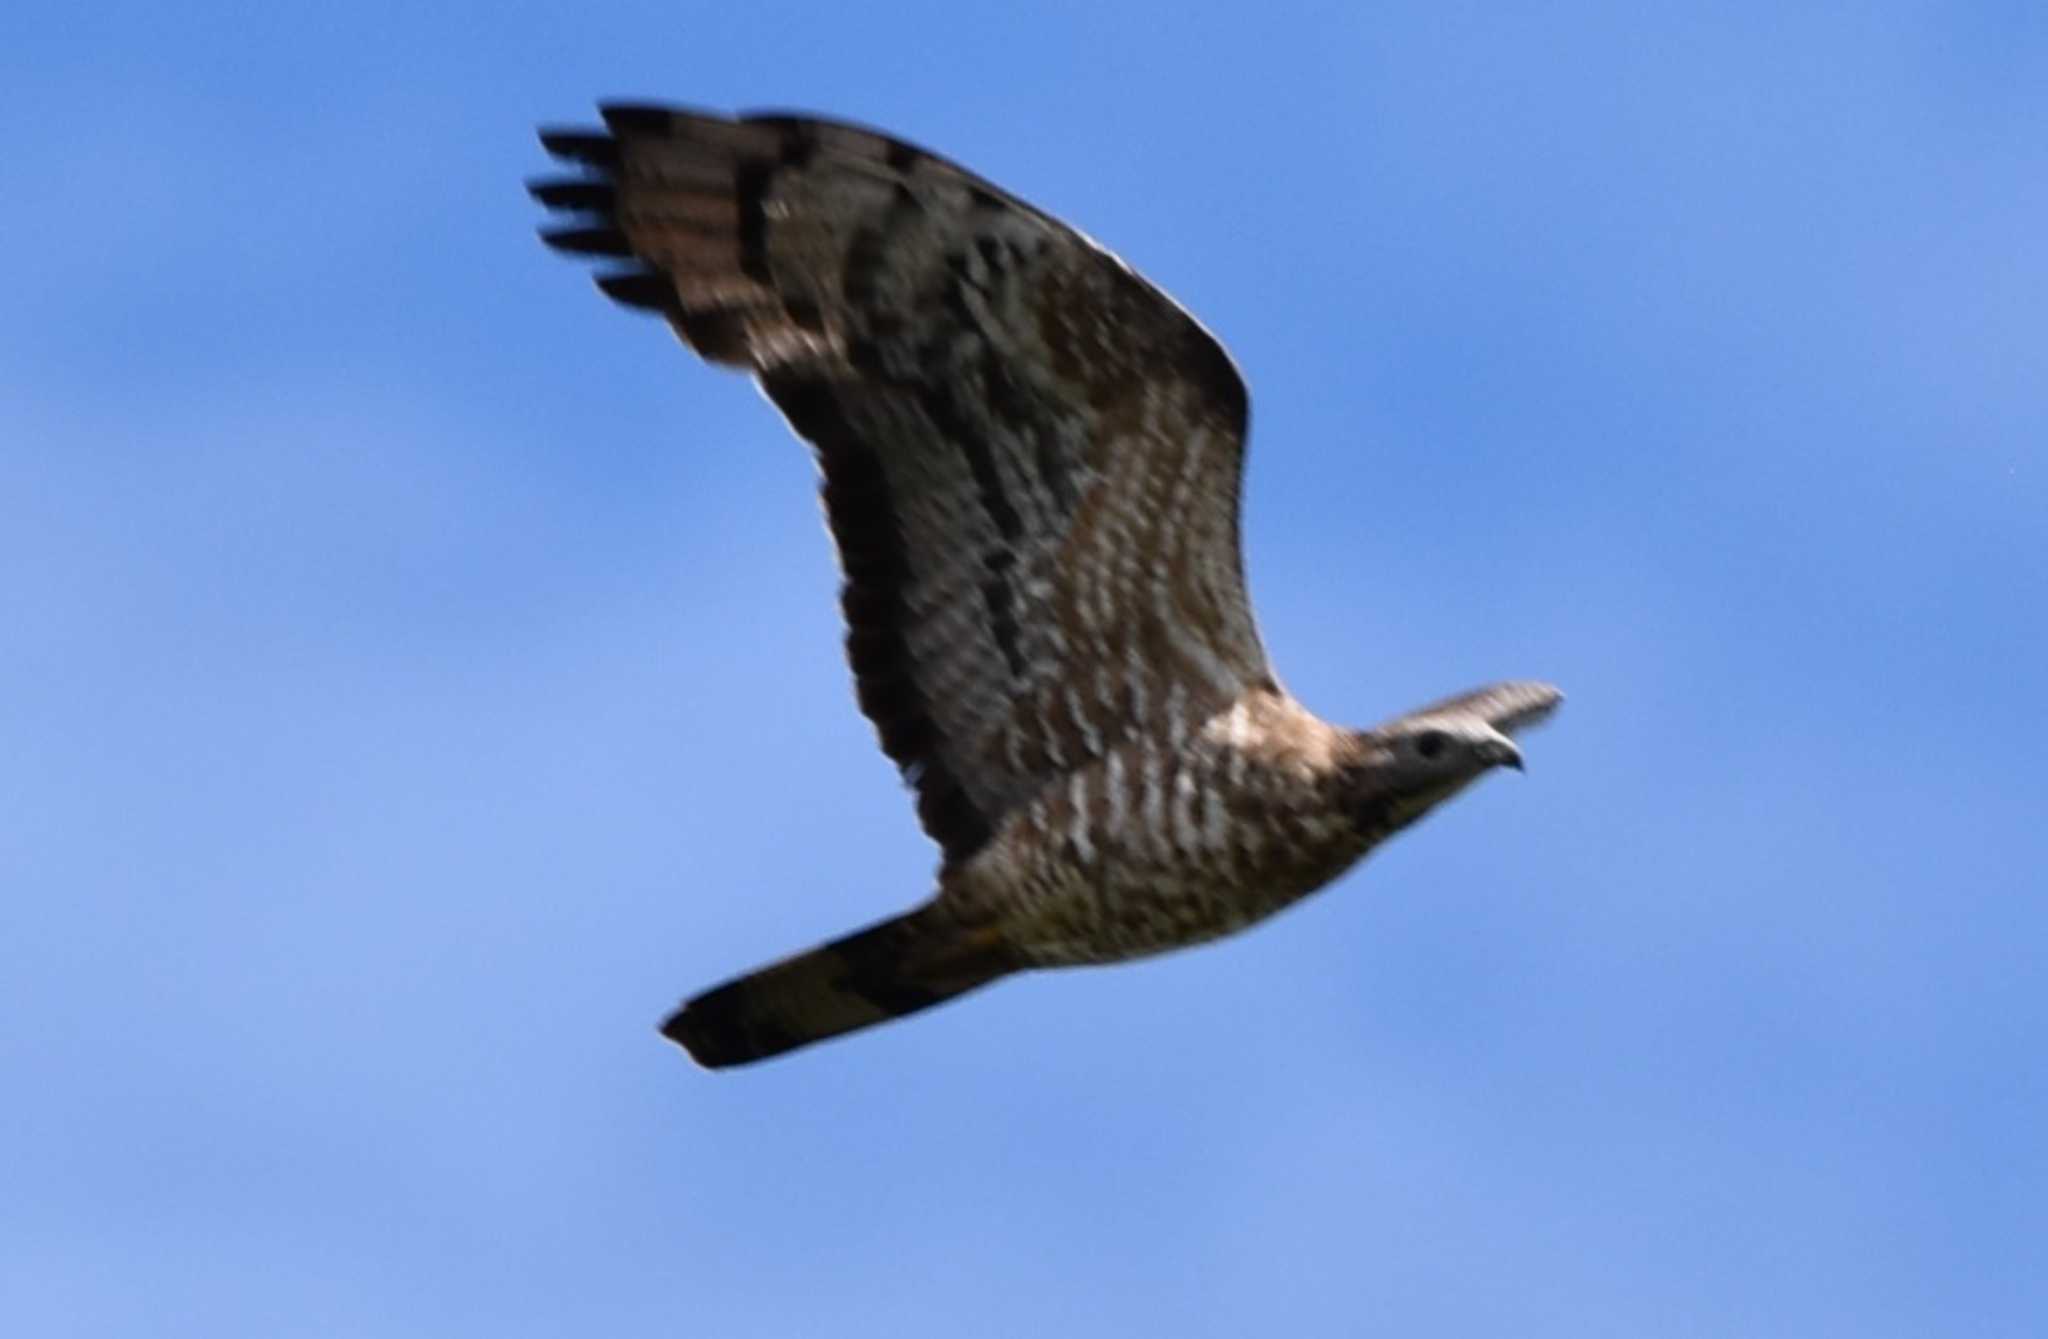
x=643 y=290
x=625 y=118
x=581 y=146
x=588 y=241
x=595 y=197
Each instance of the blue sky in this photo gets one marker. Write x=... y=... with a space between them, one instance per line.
x=420 y=675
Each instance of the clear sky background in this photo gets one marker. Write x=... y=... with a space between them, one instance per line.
x=418 y=674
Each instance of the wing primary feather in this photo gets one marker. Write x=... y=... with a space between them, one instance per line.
x=582 y=146
x=589 y=241
x=639 y=118
x=593 y=197
x=644 y=290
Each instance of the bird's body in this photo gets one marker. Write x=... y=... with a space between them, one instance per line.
x=1031 y=461
x=1174 y=839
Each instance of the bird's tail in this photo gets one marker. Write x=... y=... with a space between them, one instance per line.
x=898 y=967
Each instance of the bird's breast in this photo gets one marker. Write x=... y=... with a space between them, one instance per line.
x=1151 y=848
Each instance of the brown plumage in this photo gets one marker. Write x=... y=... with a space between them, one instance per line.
x=1031 y=461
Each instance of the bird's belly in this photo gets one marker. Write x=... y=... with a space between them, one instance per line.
x=1127 y=903
x=1149 y=849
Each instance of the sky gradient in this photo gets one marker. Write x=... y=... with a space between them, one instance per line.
x=420 y=674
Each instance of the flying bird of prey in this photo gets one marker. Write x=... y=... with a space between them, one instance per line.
x=1030 y=462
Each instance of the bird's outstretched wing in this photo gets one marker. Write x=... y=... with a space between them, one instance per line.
x=1031 y=456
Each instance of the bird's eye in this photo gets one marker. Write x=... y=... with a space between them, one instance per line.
x=1430 y=744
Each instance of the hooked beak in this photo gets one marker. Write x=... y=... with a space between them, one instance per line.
x=1502 y=752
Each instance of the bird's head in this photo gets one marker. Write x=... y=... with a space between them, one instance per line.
x=1407 y=766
